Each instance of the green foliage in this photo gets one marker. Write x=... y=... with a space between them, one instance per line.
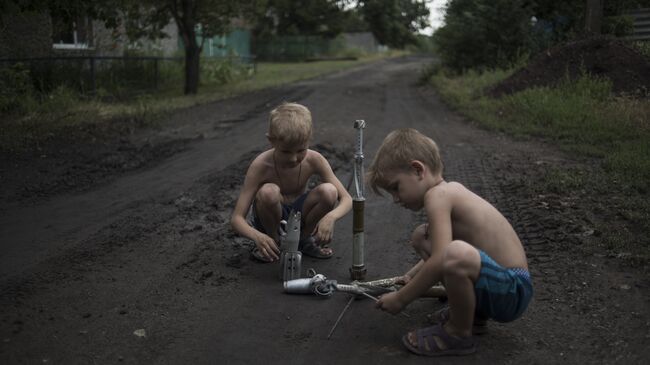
x=222 y=71
x=618 y=26
x=395 y=22
x=16 y=90
x=423 y=43
x=579 y=114
x=47 y=114
x=324 y=18
x=581 y=117
x=565 y=19
x=643 y=47
x=484 y=33
x=560 y=181
x=296 y=48
x=59 y=100
x=353 y=21
x=147 y=18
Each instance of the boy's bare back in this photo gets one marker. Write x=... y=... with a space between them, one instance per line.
x=476 y=222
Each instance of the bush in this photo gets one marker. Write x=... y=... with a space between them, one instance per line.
x=580 y=115
x=221 y=71
x=618 y=26
x=484 y=34
x=16 y=90
x=61 y=99
x=643 y=47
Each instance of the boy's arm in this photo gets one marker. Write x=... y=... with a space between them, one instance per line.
x=238 y=222
x=438 y=208
x=324 y=228
x=437 y=205
x=413 y=271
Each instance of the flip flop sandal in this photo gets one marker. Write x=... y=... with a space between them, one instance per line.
x=309 y=247
x=442 y=316
x=428 y=346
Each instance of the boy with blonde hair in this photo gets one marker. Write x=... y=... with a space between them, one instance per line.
x=466 y=244
x=276 y=183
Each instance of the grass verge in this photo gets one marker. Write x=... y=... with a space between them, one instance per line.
x=582 y=118
x=62 y=109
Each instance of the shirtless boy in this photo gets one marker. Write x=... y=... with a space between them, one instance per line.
x=276 y=183
x=466 y=244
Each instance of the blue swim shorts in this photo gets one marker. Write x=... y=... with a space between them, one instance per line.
x=501 y=294
x=286 y=209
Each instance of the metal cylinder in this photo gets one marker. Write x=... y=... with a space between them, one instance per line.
x=358 y=269
x=298 y=286
x=357 y=215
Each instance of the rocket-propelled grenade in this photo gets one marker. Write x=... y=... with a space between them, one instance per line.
x=358 y=269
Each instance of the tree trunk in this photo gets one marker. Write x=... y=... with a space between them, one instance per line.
x=192 y=58
x=594 y=16
x=184 y=15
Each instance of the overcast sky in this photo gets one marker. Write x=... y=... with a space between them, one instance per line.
x=437 y=15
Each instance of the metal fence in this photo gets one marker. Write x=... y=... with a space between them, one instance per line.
x=296 y=48
x=91 y=75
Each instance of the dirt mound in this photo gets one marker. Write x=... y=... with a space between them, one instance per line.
x=628 y=70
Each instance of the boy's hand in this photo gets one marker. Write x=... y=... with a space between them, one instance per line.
x=267 y=246
x=324 y=230
x=390 y=303
x=403 y=280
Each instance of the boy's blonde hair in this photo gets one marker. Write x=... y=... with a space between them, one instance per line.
x=290 y=123
x=396 y=152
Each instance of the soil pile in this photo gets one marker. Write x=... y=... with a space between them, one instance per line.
x=625 y=67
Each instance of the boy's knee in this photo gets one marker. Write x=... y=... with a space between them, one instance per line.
x=456 y=257
x=419 y=236
x=327 y=193
x=269 y=194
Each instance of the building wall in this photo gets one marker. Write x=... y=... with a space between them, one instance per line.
x=236 y=43
x=108 y=42
x=364 y=41
x=25 y=35
x=169 y=45
x=114 y=42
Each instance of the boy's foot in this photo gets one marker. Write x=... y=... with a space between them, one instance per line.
x=435 y=341
x=257 y=255
x=442 y=316
x=309 y=247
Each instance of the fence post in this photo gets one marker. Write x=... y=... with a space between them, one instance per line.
x=155 y=73
x=93 y=84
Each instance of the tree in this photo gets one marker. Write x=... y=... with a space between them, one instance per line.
x=194 y=18
x=568 y=18
x=315 y=17
x=484 y=33
x=594 y=16
x=395 y=22
x=497 y=33
x=146 y=18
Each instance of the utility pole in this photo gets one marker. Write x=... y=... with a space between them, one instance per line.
x=594 y=16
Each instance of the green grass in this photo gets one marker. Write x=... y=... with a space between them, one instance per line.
x=585 y=120
x=580 y=116
x=267 y=75
x=46 y=117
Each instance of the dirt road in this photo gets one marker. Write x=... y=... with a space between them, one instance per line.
x=140 y=266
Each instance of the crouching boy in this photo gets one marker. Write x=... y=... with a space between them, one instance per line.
x=466 y=244
x=276 y=183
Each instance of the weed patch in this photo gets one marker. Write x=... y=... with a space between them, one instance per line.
x=30 y=119
x=585 y=120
